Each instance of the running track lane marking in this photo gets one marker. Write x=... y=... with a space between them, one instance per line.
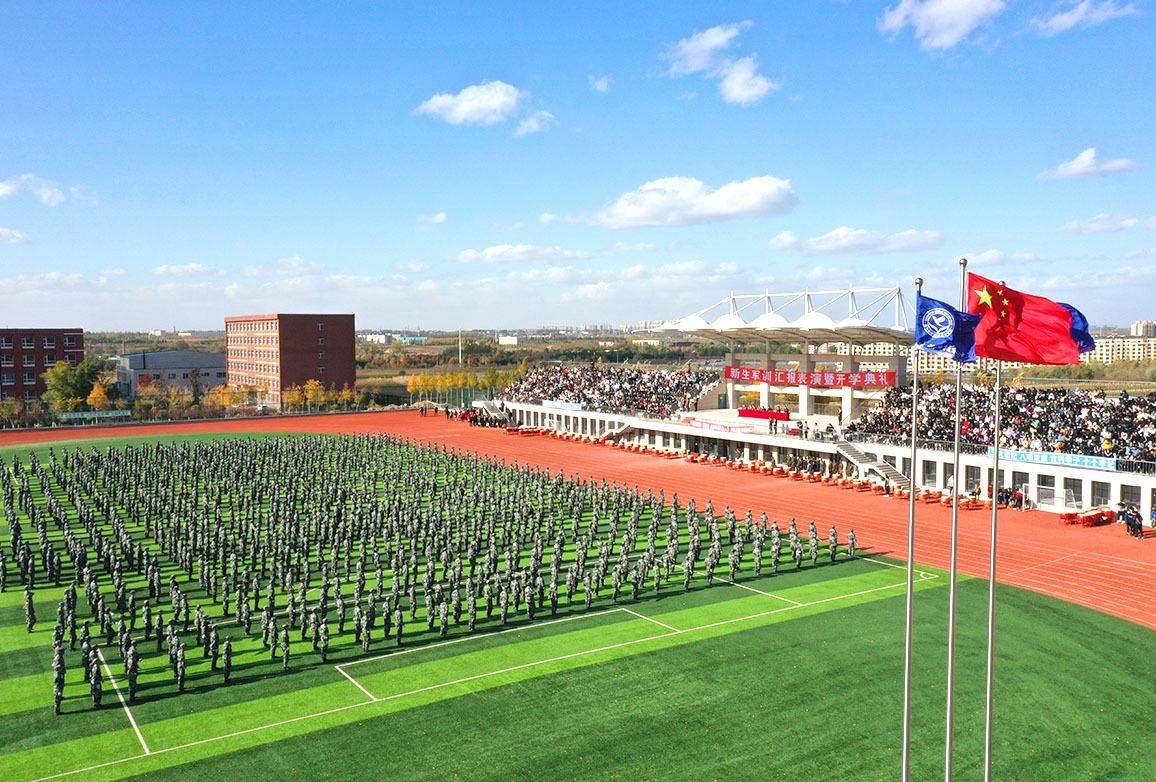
x=123 y=702
x=1041 y=564
x=924 y=577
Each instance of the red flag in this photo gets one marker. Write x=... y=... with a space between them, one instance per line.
x=1018 y=326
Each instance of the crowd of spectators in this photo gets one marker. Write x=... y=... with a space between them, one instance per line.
x=1062 y=420
x=649 y=391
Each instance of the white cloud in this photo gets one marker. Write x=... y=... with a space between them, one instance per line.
x=859 y=241
x=1082 y=14
x=1102 y=223
x=48 y=193
x=9 y=236
x=285 y=267
x=519 y=253
x=435 y=219
x=1141 y=254
x=742 y=84
x=113 y=273
x=188 y=270
x=1150 y=224
x=687 y=201
x=697 y=269
x=1086 y=164
x=595 y=291
x=509 y=226
x=487 y=103
x=536 y=122
x=627 y=247
x=1000 y=258
x=784 y=241
x=700 y=52
x=939 y=24
x=412 y=268
x=739 y=79
x=601 y=84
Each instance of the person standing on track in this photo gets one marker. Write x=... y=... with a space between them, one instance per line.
x=851 y=541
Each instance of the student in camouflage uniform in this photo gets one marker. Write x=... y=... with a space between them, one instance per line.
x=227 y=657
x=832 y=542
x=851 y=541
x=285 y=647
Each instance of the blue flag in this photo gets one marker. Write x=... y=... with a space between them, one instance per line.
x=1080 y=332
x=943 y=330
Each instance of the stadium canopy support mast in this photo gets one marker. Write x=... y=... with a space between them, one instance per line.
x=910 y=559
x=948 y=743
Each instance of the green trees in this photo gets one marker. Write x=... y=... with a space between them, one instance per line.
x=68 y=387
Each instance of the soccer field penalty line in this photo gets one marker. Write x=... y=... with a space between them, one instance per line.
x=651 y=619
x=892 y=564
x=748 y=588
x=923 y=577
x=356 y=684
x=476 y=636
x=123 y=702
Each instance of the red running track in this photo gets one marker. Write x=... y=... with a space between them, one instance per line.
x=1100 y=567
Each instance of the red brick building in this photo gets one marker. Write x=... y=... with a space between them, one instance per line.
x=274 y=352
x=25 y=354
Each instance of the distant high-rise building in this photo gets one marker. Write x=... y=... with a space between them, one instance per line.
x=25 y=354
x=269 y=353
x=1144 y=328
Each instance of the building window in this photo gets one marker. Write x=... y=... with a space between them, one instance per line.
x=49 y=359
x=50 y=342
x=1130 y=495
x=1101 y=493
x=29 y=378
x=321 y=327
x=1074 y=492
x=70 y=342
x=172 y=375
x=321 y=370
x=220 y=374
x=321 y=340
x=7 y=360
x=29 y=360
x=6 y=343
x=321 y=354
x=28 y=343
x=8 y=378
x=29 y=396
x=70 y=358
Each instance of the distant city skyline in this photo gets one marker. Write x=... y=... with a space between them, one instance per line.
x=510 y=165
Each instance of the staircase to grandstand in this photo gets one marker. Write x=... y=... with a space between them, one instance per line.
x=866 y=464
x=492 y=408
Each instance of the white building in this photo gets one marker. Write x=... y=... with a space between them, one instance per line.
x=193 y=370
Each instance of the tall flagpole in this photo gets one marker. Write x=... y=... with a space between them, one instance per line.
x=911 y=558
x=954 y=543
x=989 y=719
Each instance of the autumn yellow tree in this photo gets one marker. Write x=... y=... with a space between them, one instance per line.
x=293 y=397
x=314 y=393
x=98 y=397
x=345 y=396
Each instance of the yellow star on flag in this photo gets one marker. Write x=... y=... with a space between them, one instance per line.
x=984 y=296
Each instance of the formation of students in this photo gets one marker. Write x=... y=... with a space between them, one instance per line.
x=355 y=541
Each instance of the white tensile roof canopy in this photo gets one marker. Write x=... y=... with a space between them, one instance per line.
x=845 y=316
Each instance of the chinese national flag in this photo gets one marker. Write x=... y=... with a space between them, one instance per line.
x=1017 y=326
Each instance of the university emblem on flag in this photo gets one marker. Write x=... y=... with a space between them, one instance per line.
x=938 y=323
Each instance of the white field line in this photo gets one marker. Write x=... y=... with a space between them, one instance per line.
x=123 y=702
x=748 y=588
x=356 y=684
x=924 y=577
x=651 y=619
x=474 y=637
x=892 y=564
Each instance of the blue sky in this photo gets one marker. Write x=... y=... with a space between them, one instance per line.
x=510 y=165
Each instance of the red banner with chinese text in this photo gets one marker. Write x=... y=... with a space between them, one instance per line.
x=791 y=377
